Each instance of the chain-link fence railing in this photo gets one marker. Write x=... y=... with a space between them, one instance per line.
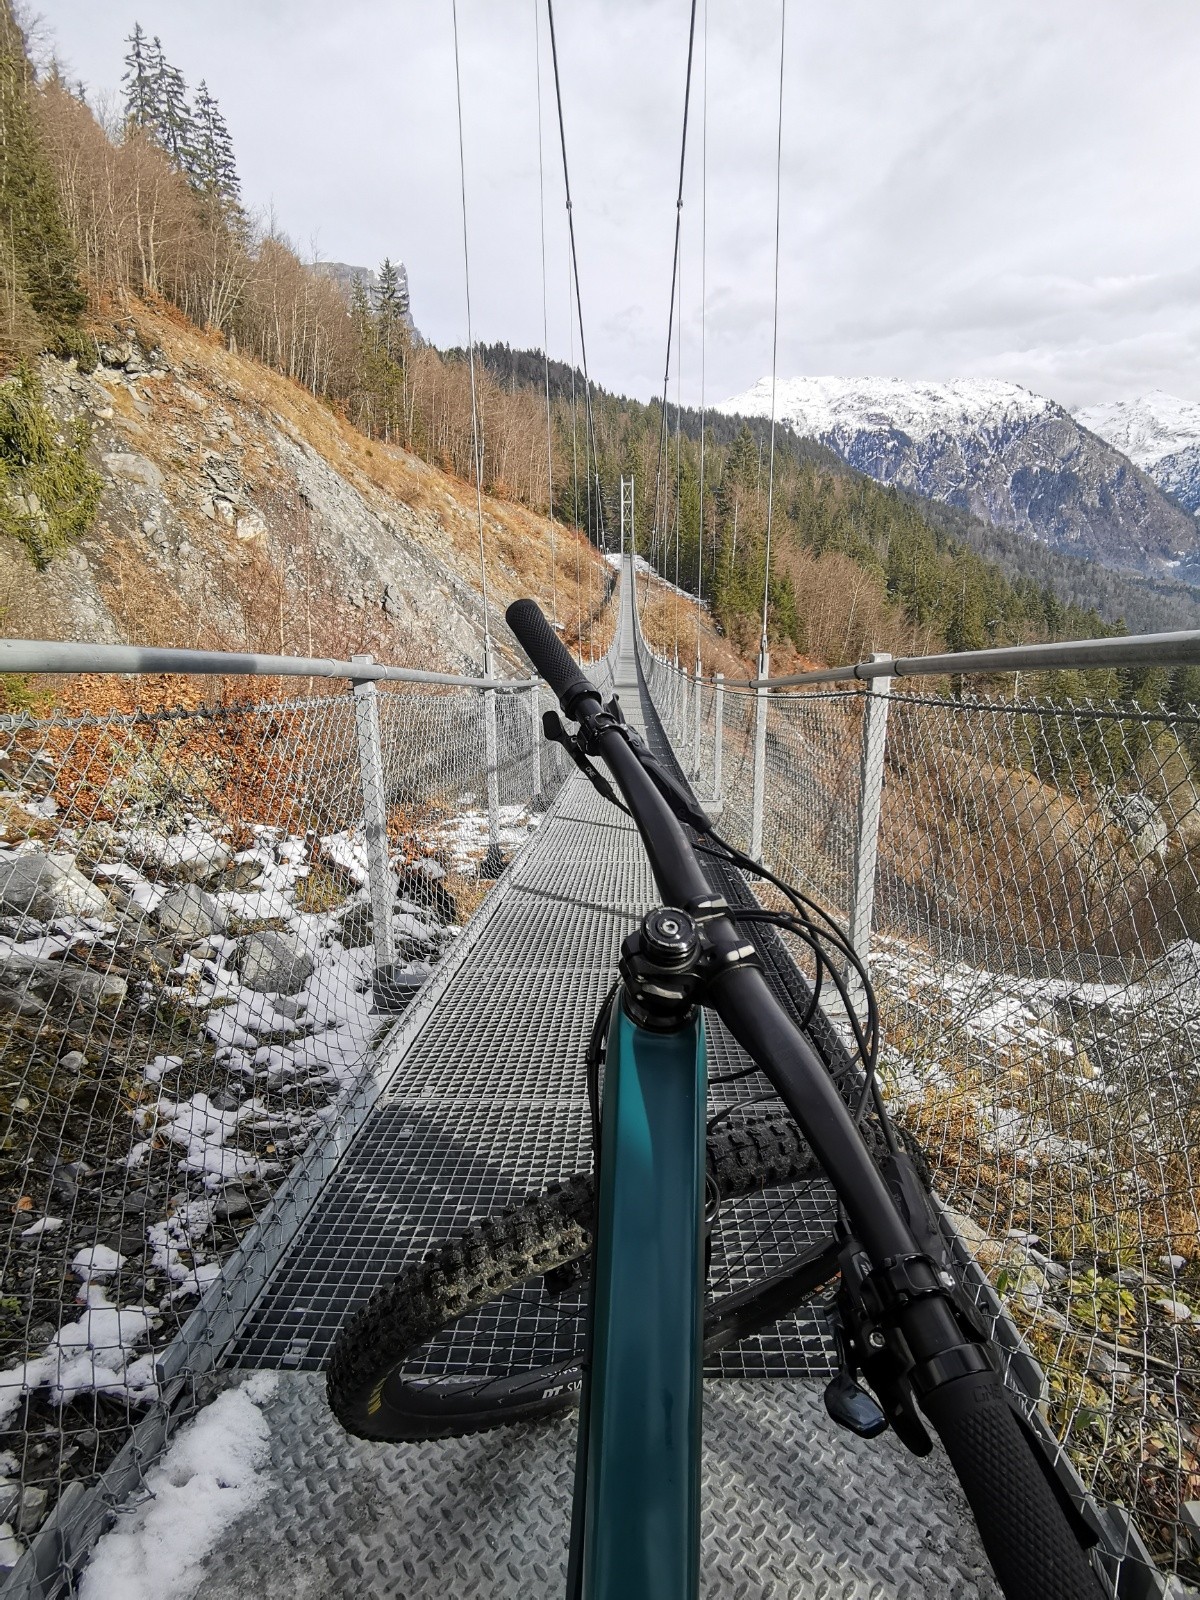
x=209 y=921
x=1027 y=877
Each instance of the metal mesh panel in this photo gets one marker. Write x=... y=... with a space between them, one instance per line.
x=188 y=996
x=1035 y=944
x=1035 y=908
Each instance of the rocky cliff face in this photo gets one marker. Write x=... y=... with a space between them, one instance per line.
x=239 y=513
x=997 y=450
x=1159 y=433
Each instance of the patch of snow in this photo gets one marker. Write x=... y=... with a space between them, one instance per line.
x=92 y=1353
x=96 y=1261
x=212 y=1475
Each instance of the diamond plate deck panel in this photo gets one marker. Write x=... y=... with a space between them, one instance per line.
x=792 y=1509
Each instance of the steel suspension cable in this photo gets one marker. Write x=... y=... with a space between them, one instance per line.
x=655 y=529
x=774 y=334
x=475 y=434
x=587 y=385
x=537 y=37
x=703 y=322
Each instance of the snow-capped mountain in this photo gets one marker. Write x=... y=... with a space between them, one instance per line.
x=1159 y=433
x=997 y=450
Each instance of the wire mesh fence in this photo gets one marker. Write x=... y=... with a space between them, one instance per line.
x=188 y=995
x=1035 y=946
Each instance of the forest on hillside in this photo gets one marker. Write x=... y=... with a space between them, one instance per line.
x=148 y=202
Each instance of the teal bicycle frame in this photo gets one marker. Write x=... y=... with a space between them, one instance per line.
x=636 y=1522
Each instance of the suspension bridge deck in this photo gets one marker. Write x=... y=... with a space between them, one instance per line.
x=485 y=1103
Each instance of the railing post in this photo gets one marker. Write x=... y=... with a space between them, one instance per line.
x=535 y=755
x=493 y=862
x=718 y=735
x=760 y=758
x=696 y=720
x=380 y=882
x=870 y=796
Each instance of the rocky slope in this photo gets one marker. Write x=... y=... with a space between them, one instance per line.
x=1160 y=434
x=240 y=513
x=997 y=450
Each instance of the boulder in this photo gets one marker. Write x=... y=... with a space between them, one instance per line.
x=189 y=913
x=272 y=963
x=23 y=977
x=133 y=469
x=47 y=887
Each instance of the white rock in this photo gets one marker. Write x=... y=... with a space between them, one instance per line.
x=189 y=913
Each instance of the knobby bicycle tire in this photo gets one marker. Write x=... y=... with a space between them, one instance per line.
x=375 y=1388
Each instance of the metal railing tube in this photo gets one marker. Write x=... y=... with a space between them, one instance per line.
x=718 y=735
x=870 y=806
x=380 y=882
x=1138 y=650
x=698 y=710
x=494 y=861
x=53 y=656
x=760 y=758
x=535 y=748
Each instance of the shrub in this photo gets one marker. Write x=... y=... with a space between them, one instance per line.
x=48 y=493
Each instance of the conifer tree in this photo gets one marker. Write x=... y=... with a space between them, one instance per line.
x=175 y=130
x=392 y=312
x=214 y=169
x=143 y=64
x=42 y=299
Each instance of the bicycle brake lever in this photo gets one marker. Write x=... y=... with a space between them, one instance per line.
x=553 y=729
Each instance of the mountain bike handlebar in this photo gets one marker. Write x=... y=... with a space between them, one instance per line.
x=1031 y=1537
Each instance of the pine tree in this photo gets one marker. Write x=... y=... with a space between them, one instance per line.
x=392 y=310
x=214 y=169
x=40 y=296
x=176 y=131
x=143 y=65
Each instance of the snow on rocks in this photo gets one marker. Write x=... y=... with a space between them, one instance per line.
x=193 y=855
x=465 y=839
x=214 y=1473
x=97 y=1261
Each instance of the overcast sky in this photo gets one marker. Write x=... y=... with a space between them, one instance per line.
x=997 y=188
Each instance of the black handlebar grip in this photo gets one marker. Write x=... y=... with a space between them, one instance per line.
x=551 y=658
x=1025 y=1530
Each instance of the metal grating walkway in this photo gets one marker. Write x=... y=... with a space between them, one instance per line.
x=485 y=1103
x=488 y=1103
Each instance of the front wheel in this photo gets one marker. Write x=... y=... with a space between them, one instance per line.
x=489 y=1328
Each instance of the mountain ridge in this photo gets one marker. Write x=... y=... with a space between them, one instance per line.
x=999 y=451
x=1160 y=433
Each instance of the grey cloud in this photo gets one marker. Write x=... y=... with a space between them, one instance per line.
x=1006 y=189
